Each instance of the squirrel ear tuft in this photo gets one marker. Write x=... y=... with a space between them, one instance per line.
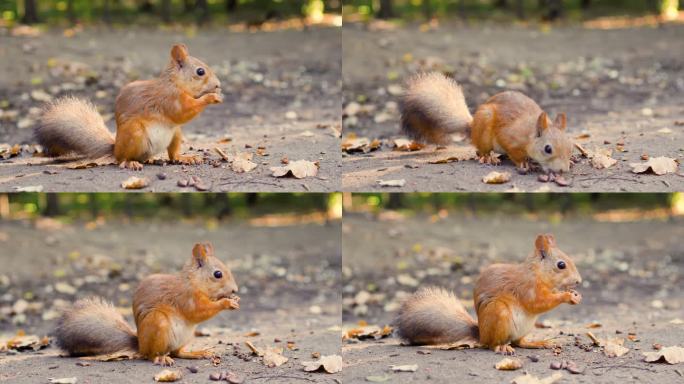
x=200 y=254
x=561 y=121
x=543 y=244
x=179 y=53
x=542 y=123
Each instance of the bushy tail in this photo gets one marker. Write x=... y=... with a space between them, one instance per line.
x=71 y=125
x=433 y=107
x=92 y=326
x=435 y=316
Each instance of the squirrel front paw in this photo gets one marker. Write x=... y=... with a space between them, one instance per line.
x=230 y=303
x=574 y=297
x=213 y=98
x=164 y=361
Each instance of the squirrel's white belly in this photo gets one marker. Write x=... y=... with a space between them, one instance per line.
x=181 y=333
x=159 y=136
x=523 y=323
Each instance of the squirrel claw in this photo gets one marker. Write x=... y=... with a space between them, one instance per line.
x=504 y=350
x=164 y=361
x=131 y=164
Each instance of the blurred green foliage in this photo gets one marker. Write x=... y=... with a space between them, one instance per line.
x=163 y=205
x=503 y=10
x=154 y=11
x=514 y=203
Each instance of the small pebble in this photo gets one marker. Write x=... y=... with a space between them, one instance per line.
x=533 y=358
x=182 y=183
x=161 y=176
x=556 y=365
x=193 y=369
x=543 y=178
x=216 y=376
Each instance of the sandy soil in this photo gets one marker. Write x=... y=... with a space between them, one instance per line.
x=280 y=281
x=615 y=85
x=631 y=277
x=266 y=77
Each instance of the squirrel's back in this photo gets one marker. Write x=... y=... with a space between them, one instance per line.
x=72 y=125
x=434 y=316
x=93 y=326
x=433 y=107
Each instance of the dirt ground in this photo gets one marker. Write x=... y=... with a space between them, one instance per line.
x=617 y=87
x=631 y=283
x=289 y=289
x=282 y=91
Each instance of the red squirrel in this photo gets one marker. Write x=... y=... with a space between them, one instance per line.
x=167 y=308
x=508 y=299
x=149 y=115
x=433 y=107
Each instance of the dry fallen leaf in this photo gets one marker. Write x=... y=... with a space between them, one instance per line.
x=241 y=165
x=453 y=153
x=254 y=349
x=495 y=177
x=273 y=357
x=135 y=182
x=659 y=165
x=407 y=145
x=91 y=163
x=508 y=364
x=404 y=368
x=367 y=332
x=353 y=144
x=614 y=347
x=299 y=169
x=330 y=364
x=168 y=376
x=670 y=355
x=23 y=342
x=531 y=379
x=64 y=380
x=117 y=356
x=392 y=183
x=601 y=161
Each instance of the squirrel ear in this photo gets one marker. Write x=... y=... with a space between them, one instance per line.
x=200 y=254
x=543 y=244
x=179 y=53
x=561 y=121
x=542 y=123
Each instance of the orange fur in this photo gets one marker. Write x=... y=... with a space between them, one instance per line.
x=149 y=115
x=510 y=123
x=166 y=309
x=507 y=297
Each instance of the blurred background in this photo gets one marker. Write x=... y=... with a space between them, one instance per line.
x=253 y=13
x=502 y=10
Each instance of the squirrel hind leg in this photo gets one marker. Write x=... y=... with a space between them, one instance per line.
x=200 y=354
x=523 y=343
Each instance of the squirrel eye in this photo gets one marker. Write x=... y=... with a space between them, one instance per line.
x=200 y=72
x=561 y=265
x=219 y=274
x=548 y=149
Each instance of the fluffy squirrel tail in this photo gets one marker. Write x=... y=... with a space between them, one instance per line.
x=72 y=125
x=93 y=326
x=434 y=316
x=433 y=107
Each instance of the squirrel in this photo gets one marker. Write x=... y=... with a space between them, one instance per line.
x=508 y=298
x=167 y=308
x=433 y=107
x=149 y=115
